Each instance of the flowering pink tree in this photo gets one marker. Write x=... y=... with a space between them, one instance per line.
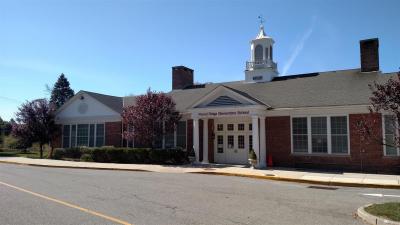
x=35 y=123
x=147 y=116
x=385 y=98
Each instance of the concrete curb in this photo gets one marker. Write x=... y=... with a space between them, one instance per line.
x=371 y=219
x=295 y=180
x=263 y=177
x=75 y=167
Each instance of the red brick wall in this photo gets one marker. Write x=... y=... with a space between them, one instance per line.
x=201 y=123
x=189 y=135
x=369 y=53
x=278 y=140
x=369 y=156
x=370 y=159
x=113 y=134
x=181 y=77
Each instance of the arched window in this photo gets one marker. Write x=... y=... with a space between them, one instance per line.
x=258 y=53
x=270 y=53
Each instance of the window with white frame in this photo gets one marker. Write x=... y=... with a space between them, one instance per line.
x=66 y=136
x=320 y=135
x=99 y=135
x=390 y=134
x=339 y=134
x=73 y=136
x=231 y=141
x=91 y=135
x=181 y=134
x=241 y=141
x=300 y=135
x=83 y=135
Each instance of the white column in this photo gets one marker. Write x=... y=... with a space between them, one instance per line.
x=256 y=139
x=196 y=145
x=205 y=140
x=263 y=144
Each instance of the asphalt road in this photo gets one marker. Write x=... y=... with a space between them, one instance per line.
x=161 y=198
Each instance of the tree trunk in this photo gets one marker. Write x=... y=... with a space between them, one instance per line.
x=50 y=156
x=41 y=150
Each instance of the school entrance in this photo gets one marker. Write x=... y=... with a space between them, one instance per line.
x=233 y=140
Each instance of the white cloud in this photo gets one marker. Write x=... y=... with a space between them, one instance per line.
x=299 y=47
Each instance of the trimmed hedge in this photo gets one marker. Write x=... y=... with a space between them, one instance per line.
x=124 y=155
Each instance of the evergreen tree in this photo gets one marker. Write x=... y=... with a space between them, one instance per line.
x=61 y=92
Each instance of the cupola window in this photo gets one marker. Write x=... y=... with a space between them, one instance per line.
x=258 y=53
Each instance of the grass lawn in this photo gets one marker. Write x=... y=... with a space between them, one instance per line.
x=31 y=154
x=389 y=210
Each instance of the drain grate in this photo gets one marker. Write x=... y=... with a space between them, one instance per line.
x=323 y=187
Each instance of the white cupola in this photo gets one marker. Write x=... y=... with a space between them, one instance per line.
x=261 y=67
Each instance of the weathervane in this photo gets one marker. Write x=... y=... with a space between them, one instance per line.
x=262 y=20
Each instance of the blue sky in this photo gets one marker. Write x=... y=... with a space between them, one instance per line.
x=122 y=47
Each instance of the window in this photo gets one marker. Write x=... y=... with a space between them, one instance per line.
x=181 y=134
x=241 y=141
x=300 y=135
x=250 y=142
x=83 y=135
x=169 y=140
x=257 y=77
x=240 y=126
x=339 y=134
x=250 y=126
x=270 y=53
x=230 y=127
x=82 y=138
x=73 y=136
x=390 y=136
x=231 y=141
x=91 y=135
x=319 y=135
x=66 y=136
x=99 y=135
x=258 y=54
x=220 y=127
x=220 y=144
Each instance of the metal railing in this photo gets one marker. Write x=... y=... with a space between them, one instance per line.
x=251 y=65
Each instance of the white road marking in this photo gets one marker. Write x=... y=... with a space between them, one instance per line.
x=380 y=195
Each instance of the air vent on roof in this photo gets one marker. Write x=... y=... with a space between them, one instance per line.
x=290 y=77
x=223 y=101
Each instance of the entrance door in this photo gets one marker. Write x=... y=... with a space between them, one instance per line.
x=232 y=142
x=236 y=152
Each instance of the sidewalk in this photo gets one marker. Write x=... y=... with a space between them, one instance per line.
x=323 y=178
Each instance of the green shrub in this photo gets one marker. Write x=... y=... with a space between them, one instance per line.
x=74 y=153
x=252 y=155
x=99 y=155
x=109 y=154
x=115 y=155
x=59 y=153
x=86 y=158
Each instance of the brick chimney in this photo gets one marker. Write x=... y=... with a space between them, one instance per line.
x=181 y=77
x=369 y=50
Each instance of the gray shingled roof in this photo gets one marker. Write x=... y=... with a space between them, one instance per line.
x=113 y=102
x=336 y=88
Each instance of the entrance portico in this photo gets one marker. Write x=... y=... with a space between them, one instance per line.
x=235 y=131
